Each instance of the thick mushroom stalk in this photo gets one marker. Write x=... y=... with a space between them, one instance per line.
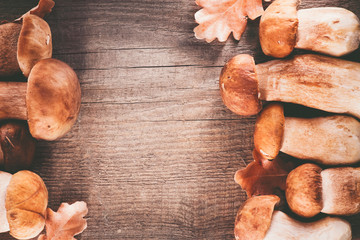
x=330 y=30
x=284 y=227
x=311 y=190
x=25 y=41
x=17 y=146
x=257 y=220
x=321 y=82
x=23 y=204
x=49 y=101
x=332 y=140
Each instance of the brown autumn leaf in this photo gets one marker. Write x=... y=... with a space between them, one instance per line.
x=218 y=18
x=67 y=222
x=265 y=177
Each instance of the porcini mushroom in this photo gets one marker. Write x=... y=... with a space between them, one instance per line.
x=17 y=146
x=49 y=101
x=26 y=41
x=24 y=212
x=331 y=140
x=23 y=204
x=311 y=190
x=330 y=30
x=257 y=220
x=321 y=82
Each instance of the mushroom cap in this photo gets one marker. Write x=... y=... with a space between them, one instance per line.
x=254 y=218
x=304 y=190
x=53 y=99
x=278 y=28
x=269 y=131
x=239 y=85
x=17 y=146
x=26 y=202
x=34 y=42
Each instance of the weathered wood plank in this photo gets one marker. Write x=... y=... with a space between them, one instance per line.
x=155 y=150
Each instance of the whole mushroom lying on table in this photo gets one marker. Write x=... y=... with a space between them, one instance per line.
x=25 y=41
x=24 y=212
x=311 y=190
x=257 y=220
x=331 y=140
x=49 y=101
x=330 y=30
x=320 y=82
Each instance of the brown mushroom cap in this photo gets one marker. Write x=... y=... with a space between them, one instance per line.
x=26 y=202
x=53 y=99
x=254 y=218
x=9 y=34
x=278 y=28
x=17 y=146
x=304 y=190
x=34 y=42
x=239 y=85
x=269 y=130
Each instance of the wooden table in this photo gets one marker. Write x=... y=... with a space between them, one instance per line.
x=154 y=150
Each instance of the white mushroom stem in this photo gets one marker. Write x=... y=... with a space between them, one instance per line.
x=13 y=100
x=315 y=81
x=341 y=191
x=329 y=228
x=330 y=30
x=327 y=140
x=4 y=182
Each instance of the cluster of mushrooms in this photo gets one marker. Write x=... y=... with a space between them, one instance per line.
x=327 y=147
x=43 y=108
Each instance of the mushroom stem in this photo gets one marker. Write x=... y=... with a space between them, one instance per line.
x=341 y=185
x=12 y=100
x=315 y=81
x=330 y=140
x=330 y=30
x=284 y=227
x=9 y=34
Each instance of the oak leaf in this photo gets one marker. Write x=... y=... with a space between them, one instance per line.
x=67 y=222
x=218 y=18
x=265 y=177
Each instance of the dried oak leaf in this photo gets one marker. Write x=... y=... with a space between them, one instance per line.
x=218 y=18
x=265 y=177
x=67 y=222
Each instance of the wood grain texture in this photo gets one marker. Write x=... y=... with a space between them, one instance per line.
x=154 y=150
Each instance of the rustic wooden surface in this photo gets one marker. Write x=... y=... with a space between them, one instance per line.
x=154 y=150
